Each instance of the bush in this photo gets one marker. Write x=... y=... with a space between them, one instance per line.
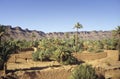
x=95 y=50
x=35 y=56
x=44 y=55
x=90 y=50
x=41 y=55
x=70 y=60
x=83 y=72
x=64 y=56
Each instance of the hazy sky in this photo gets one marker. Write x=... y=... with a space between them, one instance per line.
x=60 y=15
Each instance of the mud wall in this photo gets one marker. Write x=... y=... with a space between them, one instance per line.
x=90 y=56
x=112 y=54
x=24 y=56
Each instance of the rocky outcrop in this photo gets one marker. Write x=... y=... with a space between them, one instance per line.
x=26 y=34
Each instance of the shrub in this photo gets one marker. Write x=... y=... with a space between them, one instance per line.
x=70 y=60
x=98 y=50
x=90 y=50
x=83 y=72
x=64 y=56
x=35 y=56
x=95 y=50
x=41 y=55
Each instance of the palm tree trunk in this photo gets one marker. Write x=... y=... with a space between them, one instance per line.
x=76 y=40
x=0 y=40
x=5 y=68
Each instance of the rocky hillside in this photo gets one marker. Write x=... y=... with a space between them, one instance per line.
x=21 y=34
x=91 y=35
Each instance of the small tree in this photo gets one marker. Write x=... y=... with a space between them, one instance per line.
x=84 y=72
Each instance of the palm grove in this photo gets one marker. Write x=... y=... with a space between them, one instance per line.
x=54 y=49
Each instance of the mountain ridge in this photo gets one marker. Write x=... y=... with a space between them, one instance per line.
x=25 y=34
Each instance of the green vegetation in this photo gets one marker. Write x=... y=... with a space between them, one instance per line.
x=10 y=46
x=117 y=35
x=84 y=72
x=64 y=56
x=61 y=49
x=6 y=49
x=54 y=49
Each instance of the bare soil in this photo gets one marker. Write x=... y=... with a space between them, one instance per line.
x=28 y=69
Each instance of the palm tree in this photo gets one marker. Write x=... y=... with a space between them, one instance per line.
x=77 y=26
x=5 y=52
x=117 y=34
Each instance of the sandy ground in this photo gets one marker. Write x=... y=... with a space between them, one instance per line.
x=53 y=68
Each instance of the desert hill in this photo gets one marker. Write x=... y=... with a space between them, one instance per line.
x=20 y=34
